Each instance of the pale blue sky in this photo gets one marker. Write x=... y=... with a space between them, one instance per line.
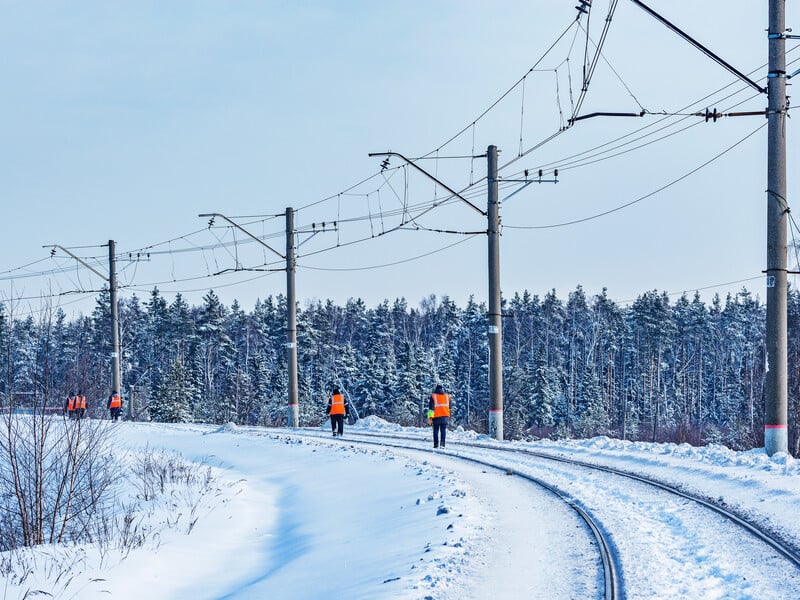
x=125 y=121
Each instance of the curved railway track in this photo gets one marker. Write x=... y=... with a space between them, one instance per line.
x=612 y=585
x=783 y=547
x=611 y=562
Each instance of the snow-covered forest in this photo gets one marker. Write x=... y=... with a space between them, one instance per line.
x=655 y=370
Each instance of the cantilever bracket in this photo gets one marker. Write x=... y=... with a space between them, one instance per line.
x=700 y=46
x=429 y=176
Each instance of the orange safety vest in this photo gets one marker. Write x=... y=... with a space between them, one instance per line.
x=71 y=403
x=337 y=404
x=116 y=401
x=441 y=405
x=80 y=402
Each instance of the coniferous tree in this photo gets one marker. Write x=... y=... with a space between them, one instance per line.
x=134 y=348
x=654 y=370
x=608 y=340
x=215 y=363
x=793 y=359
x=472 y=402
x=244 y=394
x=545 y=393
x=651 y=332
x=267 y=365
x=553 y=345
x=156 y=353
x=171 y=401
x=101 y=342
x=379 y=352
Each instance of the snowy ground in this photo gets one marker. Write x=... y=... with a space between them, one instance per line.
x=314 y=517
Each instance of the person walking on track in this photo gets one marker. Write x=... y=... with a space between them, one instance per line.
x=115 y=405
x=80 y=405
x=439 y=403
x=338 y=407
x=69 y=406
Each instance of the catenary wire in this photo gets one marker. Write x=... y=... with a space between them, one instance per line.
x=390 y=264
x=311 y=204
x=507 y=92
x=646 y=196
x=680 y=112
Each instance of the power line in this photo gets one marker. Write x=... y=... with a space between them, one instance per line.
x=587 y=77
x=610 y=153
x=680 y=112
x=646 y=196
x=406 y=213
x=613 y=70
x=391 y=264
x=25 y=266
x=507 y=92
x=702 y=289
x=139 y=287
x=151 y=250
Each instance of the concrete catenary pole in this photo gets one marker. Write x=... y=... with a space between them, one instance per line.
x=293 y=416
x=495 y=329
x=775 y=418
x=291 y=323
x=116 y=378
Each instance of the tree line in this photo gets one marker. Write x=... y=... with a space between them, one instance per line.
x=584 y=366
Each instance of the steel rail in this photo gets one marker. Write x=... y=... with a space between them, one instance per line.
x=784 y=548
x=609 y=560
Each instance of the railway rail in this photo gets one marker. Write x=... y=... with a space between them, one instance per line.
x=611 y=562
x=612 y=586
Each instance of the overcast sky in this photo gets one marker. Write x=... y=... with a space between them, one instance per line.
x=126 y=121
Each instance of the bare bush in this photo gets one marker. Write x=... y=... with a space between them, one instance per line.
x=59 y=474
x=55 y=473
x=65 y=499
x=161 y=473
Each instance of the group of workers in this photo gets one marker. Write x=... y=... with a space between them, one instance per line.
x=438 y=413
x=75 y=406
x=338 y=407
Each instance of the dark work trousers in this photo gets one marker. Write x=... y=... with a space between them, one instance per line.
x=337 y=424
x=439 y=431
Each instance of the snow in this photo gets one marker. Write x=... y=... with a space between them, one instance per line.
x=297 y=514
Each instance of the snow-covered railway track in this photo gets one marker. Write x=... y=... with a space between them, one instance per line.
x=692 y=537
x=697 y=539
x=611 y=587
x=781 y=546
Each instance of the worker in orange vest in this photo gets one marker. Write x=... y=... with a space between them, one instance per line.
x=69 y=406
x=338 y=407
x=439 y=403
x=115 y=405
x=80 y=405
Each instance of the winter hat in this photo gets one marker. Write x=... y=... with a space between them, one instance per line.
x=336 y=390
x=439 y=389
